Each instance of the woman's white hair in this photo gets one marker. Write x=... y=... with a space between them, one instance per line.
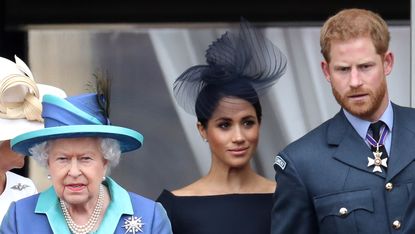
x=110 y=149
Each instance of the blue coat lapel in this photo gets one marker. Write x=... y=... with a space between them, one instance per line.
x=402 y=147
x=351 y=149
x=48 y=204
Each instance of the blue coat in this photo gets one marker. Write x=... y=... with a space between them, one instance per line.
x=41 y=213
x=325 y=186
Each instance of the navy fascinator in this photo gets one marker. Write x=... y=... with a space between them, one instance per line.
x=243 y=62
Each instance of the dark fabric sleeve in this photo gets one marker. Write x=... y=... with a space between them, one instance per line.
x=166 y=200
x=409 y=218
x=293 y=210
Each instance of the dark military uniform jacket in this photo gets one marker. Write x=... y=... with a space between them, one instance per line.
x=325 y=186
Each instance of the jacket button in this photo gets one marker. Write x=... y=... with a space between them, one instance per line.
x=396 y=224
x=389 y=186
x=343 y=211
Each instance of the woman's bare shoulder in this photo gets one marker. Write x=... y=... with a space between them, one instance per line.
x=266 y=185
x=193 y=189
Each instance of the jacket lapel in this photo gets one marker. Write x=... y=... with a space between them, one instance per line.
x=48 y=203
x=351 y=149
x=402 y=150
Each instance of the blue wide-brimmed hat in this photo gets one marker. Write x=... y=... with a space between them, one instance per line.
x=72 y=117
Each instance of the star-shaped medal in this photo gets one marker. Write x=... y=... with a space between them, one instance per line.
x=377 y=162
x=133 y=225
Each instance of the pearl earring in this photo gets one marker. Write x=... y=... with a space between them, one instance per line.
x=49 y=177
x=104 y=178
x=204 y=139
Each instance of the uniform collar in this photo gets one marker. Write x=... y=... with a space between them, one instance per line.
x=48 y=203
x=361 y=126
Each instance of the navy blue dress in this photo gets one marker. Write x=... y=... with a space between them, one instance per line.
x=218 y=214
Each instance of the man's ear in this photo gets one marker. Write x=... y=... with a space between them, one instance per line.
x=326 y=70
x=388 y=61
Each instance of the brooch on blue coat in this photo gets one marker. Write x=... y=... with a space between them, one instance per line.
x=133 y=224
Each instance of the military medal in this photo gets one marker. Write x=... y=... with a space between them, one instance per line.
x=377 y=162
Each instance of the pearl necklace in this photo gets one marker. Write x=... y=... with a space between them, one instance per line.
x=92 y=221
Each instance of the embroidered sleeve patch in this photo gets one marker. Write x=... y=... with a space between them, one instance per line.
x=280 y=162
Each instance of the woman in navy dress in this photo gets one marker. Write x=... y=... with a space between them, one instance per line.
x=224 y=96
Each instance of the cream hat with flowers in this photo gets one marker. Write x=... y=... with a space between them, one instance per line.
x=20 y=99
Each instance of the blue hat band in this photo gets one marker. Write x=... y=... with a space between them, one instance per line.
x=65 y=117
x=60 y=112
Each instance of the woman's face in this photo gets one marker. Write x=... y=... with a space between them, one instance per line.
x=8 y=158
x=76 y=167
x=232 y=132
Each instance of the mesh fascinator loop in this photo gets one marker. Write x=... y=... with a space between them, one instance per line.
x=243 y=57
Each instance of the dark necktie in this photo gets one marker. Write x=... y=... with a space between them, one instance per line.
x=376 y=127
x=376 y=137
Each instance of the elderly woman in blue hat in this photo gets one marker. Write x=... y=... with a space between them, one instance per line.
x=79 y=146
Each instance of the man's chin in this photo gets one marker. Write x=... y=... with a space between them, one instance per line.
x=360 y=111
